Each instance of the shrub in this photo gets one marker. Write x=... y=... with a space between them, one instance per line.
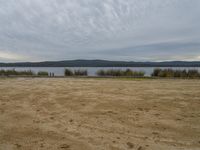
x=193 y=74
x=113 y=72
x=101 y=73
x=80 y=72
x=156 y=72
x=118 y=72
x=166 y=73
x=176 y=73
x=26 y=73
x=2 y=72
x=128 y=72
x=184 y=73
x=68 y=72
x=42 y=73
x=138 y=74
x=13 y=72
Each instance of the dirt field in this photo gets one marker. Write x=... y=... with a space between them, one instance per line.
x=99 y=114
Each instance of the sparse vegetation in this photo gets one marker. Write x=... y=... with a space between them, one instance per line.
x=13 y=72
x=78 y=72
x=170 y=73
x=43 y=73
x=118 y=73
x=68 y=72
x=193 y=73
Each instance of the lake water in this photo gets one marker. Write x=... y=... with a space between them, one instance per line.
x=59 y=71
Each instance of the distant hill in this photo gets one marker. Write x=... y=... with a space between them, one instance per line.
x=102 y=63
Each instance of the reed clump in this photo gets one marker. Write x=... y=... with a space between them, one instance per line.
x=68 y=72
x=170 y=73
x=120 y=73
x=78 y=72
x=13 y=72
x=43 y=73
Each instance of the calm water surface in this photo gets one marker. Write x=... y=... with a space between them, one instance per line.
x=59 y=71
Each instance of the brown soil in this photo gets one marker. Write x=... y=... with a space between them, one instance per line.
x=99 y=114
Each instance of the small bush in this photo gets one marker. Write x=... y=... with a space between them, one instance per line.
x=166 y=73
x=113 y=72
x=68 y=72
x=101 y=73
x=193 y=74
x=43 y=73
x=156 y=72
x=80 y=72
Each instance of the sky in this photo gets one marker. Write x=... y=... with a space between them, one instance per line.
x=129 y=30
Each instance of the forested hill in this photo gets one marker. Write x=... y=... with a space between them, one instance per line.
x=102 y=63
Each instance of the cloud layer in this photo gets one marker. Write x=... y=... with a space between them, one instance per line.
x=141 y=30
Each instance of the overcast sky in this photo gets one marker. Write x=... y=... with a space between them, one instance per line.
x=137 y=30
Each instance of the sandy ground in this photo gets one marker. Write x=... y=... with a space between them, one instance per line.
x=99 y=114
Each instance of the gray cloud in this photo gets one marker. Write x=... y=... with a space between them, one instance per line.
x=104 y=29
